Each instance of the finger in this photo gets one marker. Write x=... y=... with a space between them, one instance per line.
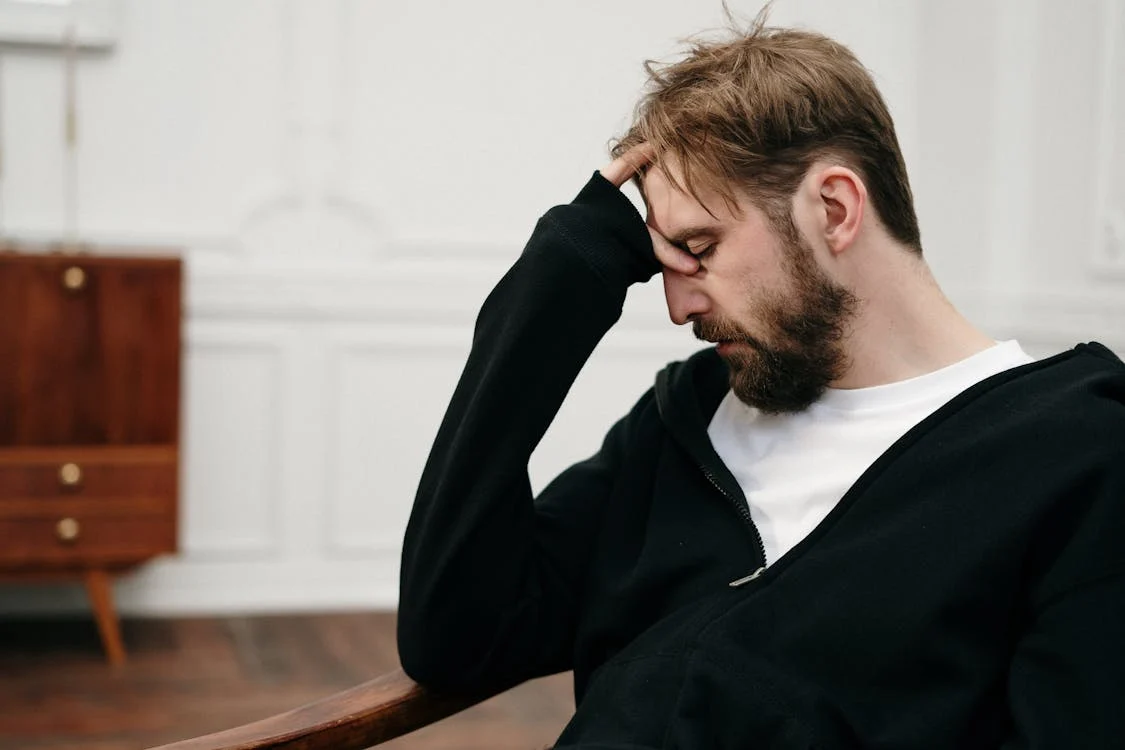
x=628 y=164
x=672 y=257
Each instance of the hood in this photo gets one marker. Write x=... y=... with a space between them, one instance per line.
x=687 y=395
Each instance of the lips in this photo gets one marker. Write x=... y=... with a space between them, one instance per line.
x=724 y=346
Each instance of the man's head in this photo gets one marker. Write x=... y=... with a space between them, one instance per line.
x=780 y=320
x=750 y=115
x=771 y=152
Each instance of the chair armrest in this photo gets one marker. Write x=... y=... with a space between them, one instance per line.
x=376 y=711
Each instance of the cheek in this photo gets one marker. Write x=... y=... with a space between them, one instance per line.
x=751 y=288
x=774 y=280
x=750 y=273
x=754 y=266
x=758 y=296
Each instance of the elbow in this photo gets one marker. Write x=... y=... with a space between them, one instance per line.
x=447 y=657
x=419 y=660
x=435 y=657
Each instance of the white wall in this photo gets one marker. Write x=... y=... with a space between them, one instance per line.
x=348 y=178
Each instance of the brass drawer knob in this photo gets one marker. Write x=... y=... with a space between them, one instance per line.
x=74 y=279
x=70 y=475
x=68 y=529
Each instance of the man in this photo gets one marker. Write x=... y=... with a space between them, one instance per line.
x=857 y=521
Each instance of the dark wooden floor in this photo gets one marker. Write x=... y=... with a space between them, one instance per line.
x=187 y=677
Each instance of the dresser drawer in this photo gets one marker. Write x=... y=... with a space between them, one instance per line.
x=87 y=472
x=77 y=538
x=37 y=507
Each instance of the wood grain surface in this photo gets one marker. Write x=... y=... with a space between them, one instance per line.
x=189 y=677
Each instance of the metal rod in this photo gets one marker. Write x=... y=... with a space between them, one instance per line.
x=70 y=199
x=3 y=237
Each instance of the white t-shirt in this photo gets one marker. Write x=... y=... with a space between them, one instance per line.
x=794 y=468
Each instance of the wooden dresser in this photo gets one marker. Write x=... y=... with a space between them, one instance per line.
x=89 y=419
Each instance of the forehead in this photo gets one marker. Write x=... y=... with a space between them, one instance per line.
x=671 y=208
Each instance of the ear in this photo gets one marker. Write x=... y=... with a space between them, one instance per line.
x=842 y=200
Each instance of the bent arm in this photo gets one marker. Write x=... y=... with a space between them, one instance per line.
x=1067 y=682
x=490 y=577
x=1066 y=685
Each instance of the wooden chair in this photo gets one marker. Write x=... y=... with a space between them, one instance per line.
x=372 y=713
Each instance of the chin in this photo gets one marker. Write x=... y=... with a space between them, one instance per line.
x=776 y=392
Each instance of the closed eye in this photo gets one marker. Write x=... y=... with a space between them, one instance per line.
x=703 y=251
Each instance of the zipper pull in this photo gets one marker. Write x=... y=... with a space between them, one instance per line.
x=747 y=579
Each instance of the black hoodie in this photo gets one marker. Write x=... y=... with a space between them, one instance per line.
x=968 y=591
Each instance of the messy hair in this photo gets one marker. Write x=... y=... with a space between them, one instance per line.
x=750 y=112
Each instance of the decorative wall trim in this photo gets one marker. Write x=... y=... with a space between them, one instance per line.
x=450 y=294
x=1012 y=165
x=262 y=540
x=177 y=587
x=311 y=191
x=96 y=23
x=448 y=347
x=1108 y=254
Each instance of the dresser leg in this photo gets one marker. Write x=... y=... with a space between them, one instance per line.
x=100 y=591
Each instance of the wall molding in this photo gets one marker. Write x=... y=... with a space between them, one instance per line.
x=1108 y=253
x=263 y=541
x=447 y=346
x=450 y=294
x=175 y=586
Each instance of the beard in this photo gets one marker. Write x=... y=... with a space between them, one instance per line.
x=807 y=326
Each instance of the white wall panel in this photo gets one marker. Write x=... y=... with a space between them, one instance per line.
x=231 y=465
x=388 y=397
x=180 y=118
x=952 y=179
x=1064 y=137
x=1011 y=166
x=1109 y=242
x=348 y=179
x=621 y=369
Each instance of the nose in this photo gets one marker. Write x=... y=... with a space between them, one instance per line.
x=686 y=300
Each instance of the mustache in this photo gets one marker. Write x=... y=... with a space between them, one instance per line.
x=717 y=330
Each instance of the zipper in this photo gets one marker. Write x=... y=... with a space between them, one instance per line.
x=743 y=513
x=746 y=579
x=742 y=508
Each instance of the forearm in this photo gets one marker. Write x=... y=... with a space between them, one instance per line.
x=478 y=591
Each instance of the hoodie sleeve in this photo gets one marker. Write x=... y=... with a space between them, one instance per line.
x=490 y=576
x=1066 y=685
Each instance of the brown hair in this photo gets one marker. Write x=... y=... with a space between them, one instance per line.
x=751 y=112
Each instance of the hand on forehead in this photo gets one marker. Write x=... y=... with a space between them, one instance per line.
x=674 y=212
